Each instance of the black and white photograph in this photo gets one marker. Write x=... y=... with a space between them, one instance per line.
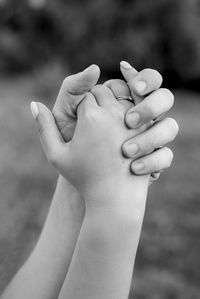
x=99 y=149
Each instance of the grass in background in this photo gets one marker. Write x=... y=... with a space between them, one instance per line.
x=168 y=263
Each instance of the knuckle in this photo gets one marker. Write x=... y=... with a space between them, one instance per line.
x=91 y=114
x=155 y=75
x=147 y=110
x=118 y=87
x=98 y=88
x=148 y=143
x=109 y=83
x=118 y=113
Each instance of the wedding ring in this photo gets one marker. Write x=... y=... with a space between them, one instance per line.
x=127 y=98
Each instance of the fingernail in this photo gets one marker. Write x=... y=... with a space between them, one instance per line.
x=34 y=109
x=140 y=86
x=85 y=70
x=133 y=119
x=137 y=167
x=125 y=65
x=131 y=149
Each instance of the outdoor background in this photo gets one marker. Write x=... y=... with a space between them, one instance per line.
x=41 y=42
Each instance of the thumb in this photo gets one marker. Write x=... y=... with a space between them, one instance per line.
x=71 y=94
x=82 y=82
x=49 y=135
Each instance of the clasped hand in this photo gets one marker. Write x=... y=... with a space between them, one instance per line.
x=149 y=136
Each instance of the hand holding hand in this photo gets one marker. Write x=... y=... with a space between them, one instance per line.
x=142 y=149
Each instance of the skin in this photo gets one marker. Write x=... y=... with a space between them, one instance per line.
x=43 y=273
x=73 y=90
x=114 y=198
x=68 y=290
x=77 y=167
x=67 y=209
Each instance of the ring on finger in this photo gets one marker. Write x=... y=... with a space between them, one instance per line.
x=127 y=98
x=154 y=176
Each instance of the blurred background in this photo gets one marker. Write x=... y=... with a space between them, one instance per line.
x=41 y=42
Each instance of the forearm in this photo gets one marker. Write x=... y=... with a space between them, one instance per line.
x=44 y=272
x=104 y=257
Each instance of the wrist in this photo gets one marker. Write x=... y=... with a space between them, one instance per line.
x=118 y=218
x=123 y=196
x=112 y=232
x=67 y=206
x=66 y=194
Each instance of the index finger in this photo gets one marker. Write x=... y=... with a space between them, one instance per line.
x=129 y=73
x=143 y=82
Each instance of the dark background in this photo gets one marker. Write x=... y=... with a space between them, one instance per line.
x=41 y=42
x=163 y=34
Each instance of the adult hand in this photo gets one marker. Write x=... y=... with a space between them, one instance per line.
x=148 y=148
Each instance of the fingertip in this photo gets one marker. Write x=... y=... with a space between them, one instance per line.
x=125 y=65
x=93 y=68
x=127 y=70
x=172 y=126
x=43 y=109
x=88 y=78
x=169 y=157
x=34 y=109
x=159 y=77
